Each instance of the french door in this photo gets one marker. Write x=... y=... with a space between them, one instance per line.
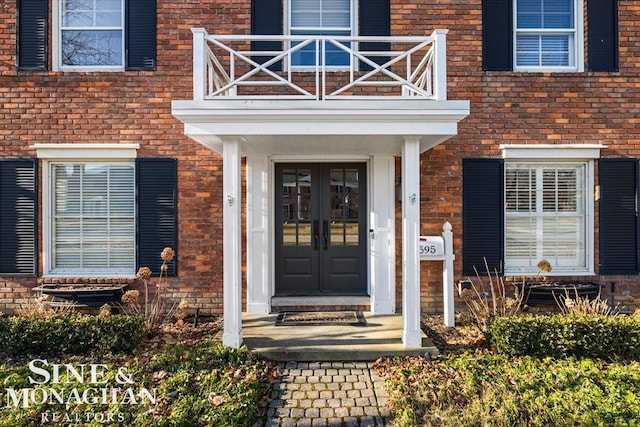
x=321 y=245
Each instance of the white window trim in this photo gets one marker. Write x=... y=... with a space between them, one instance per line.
x=578 y=43
x=53 y=153
x=56 y=22
x=287 y=31
x=555 y=153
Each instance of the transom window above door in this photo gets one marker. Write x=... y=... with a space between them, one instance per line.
x=321 y=17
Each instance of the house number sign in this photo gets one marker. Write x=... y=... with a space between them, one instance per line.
x=431 y=247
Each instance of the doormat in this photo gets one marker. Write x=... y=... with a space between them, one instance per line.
x=321 y=318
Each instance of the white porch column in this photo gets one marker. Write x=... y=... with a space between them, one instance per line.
x=447 y=276
x=382 y=238
x=258 y=263
x=232 y=248
x=410 y=240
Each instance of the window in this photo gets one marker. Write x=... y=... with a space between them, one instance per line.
x=106 y=211
x=545 y=34
x=88 y=35
x=545 y=216
x=535 y=203
x=91 y=33
x=93 y=218
x=321 y=17
x=549 y=35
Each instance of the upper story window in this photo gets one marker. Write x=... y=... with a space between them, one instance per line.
x=321 y=17
x=91 y=33
x=550 y=35
x=546 y=35
x=87 y=35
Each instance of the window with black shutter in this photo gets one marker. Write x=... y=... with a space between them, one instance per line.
x=602 y=38
x=266 y=20
x=482 y=215
x=18 y=217
x=618 y=179
x=537 y=45
x=374 y=20
x=88 y=39
x=156 y=224
x=31 y=46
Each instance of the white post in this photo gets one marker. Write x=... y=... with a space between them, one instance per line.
x=440 y=65
x=382 y=234
x=258 y=272
x=410 y=239
x=199 y=63
x=447 y=276
x=232 y=250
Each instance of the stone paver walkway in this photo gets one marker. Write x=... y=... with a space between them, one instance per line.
x=328 y=394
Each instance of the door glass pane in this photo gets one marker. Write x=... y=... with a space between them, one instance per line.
x=351 y=234
x=296 y=207
x=344 y=202
x=337 y=233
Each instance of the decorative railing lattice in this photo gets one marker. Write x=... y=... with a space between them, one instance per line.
x=230 y=66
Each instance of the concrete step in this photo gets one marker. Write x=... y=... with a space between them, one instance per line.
x=379 y=338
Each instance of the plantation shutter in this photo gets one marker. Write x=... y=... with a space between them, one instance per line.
x=602 y=18
x=497 y=35
x=156 y=224
x=618 y=180
x=32 y=32
x=266 y=19
x=375 y=20
x=482 y=215
x=140 y=38
x=18 y=217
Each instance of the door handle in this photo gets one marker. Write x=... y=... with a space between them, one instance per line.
x=316 y=237
x=325 y=234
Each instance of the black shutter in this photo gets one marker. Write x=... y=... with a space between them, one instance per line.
x=602 y=38
x=618 y=180
x=18 y=217
x=140 y=35
x=266 y=20
x=482 y=215
x=156 y=222
x=497 y=35
x=31 y=43
x=375 y=20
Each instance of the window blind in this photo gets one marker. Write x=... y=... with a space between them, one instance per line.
x=93 y=218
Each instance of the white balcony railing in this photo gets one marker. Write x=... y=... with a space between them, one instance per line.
x=225 y=67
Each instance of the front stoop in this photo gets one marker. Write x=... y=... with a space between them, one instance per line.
x=381 y=337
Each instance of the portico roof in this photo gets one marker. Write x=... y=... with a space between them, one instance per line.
x=320 y=127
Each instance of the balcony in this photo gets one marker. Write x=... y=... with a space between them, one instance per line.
x=318 y=67
x=269 y=91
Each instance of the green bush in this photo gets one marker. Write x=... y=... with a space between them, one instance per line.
x=593 y=336
x=70 y=333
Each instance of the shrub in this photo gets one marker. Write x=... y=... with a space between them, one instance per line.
x=70 y=333
x=594 y=336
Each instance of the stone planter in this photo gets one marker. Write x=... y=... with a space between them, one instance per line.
x=83 y=295
x=546 y=293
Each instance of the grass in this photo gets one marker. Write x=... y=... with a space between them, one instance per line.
x=195 y=381
x=470 y=385
x=477 y=388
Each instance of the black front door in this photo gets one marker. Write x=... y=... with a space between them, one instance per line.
x=321 y=229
